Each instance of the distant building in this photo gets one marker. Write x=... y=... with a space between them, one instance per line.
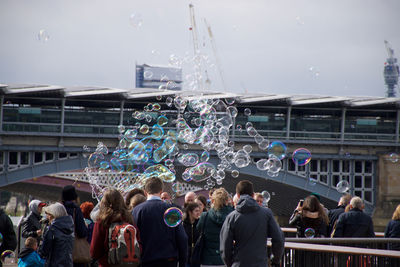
x=158 y=77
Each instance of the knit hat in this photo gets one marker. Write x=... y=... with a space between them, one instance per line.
x=69 y=193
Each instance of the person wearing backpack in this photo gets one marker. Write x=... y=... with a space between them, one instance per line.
x=115 y=218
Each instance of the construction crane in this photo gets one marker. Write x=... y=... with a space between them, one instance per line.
x=391 y=71
x=214 y=47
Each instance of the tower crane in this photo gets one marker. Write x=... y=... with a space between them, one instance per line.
x=391 y=71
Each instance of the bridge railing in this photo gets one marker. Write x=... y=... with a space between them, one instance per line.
x=305 y=252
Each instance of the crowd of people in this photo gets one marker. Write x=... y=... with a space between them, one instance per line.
x=232 y=230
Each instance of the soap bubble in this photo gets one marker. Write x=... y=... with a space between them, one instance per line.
x=277 y=149
x=148 y=74
x=173 y=217
x=248 y=149
x=393 y=157
x=43 y=36
x=301 y=156
x=309 y=233
x=144 y=129
x=121 y=129
x=312 y=181
x=266 y=195
x=169 y=101
x=262 y=164
x=247 y=112
x=8 y=256
x=274 y=165
x=235 y=173
x=136 y=20
x=343 y=186
x=177 y=187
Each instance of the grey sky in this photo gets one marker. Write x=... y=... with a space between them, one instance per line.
x=332 y=47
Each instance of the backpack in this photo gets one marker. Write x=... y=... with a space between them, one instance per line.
x=124 y=248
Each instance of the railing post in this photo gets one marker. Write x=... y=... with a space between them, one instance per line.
x=62 y=114
x=1 y=113
x=343 y=126
x=121 y=114
x=289 y=111
x=397 y=126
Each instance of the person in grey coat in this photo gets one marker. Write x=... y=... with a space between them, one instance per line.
x=243 y=237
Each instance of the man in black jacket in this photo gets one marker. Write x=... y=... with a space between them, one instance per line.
x=7 y=231
x=335 y=213
x=31 y=225
x=354 y=223
x=243 y=237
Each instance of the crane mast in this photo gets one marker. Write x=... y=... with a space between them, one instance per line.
x=390 y=71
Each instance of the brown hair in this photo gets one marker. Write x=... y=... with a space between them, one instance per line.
x=220 y=197
x=113 y=208
x=203 y=200
x=312 y=204
x=136 y=200
x=245 y=187
x=396 y=213
x=189 y=208
x=131 y=194
x=153 y=185
x=30 y=242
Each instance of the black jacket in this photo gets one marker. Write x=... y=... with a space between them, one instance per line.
x=393 y=231
x=80 y=227
x=303 y=222
x=354 y=223
x=192 y=234
x=57 y=244
x=7 y=230
x=244 y=235
x=333 y=216
x=30 y=225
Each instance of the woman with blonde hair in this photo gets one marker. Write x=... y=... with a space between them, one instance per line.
x=393 y=229
x=211 y=223
x=112 y=210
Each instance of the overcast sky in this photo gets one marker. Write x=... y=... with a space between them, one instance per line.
x=328 y=47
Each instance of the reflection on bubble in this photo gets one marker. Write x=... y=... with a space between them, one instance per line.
x=173 y=217
x=393 y=157
x=43 y=36
x=262 y=164
x=312 y=181
x=309 y=233
x=177 y=187
x=8 y=257
x=343 y=186
x=247 y=112
x=204 y=156
x=301 y=156
x=144 y=129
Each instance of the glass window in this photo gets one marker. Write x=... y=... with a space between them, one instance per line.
x=24 y=158
x=38 y=157
x=13 y=158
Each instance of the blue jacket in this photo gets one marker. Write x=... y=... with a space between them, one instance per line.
x=30 y=258
x=80 y=226
x=158 y=240
x=213 y=224
x=354 y=223
x=393 y=231
x=57 y=244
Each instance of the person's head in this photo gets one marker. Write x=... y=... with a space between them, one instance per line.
x=210 y=193
x=312 y=204
x=192 y=211
x=245 y=187
x=356 y=203
x=190 y=197
x=112 y=207
x=202 y=202
x=153 y=186
x=55 y=211
x=36 y=206
x=345 y=200
x=31 y=242
x=86 y=208
x=69 y=193
x=259 y=198
x=136 y=200
x=396 y=213
x=219 y=198
x=131 y=194
x=165 y=196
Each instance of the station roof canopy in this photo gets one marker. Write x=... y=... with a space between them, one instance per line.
x=91 y=93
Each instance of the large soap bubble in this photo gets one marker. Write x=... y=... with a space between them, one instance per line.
x=343 y=186
x=277 y=149
x=173 y=217
x=301 y=156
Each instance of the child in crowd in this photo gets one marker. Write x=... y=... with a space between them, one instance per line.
x=29 y=256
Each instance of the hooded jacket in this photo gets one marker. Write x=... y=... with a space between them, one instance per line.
x=244 y=235
x=213 y=224
x=29 y=257
x=31 y=223
x=58 y=241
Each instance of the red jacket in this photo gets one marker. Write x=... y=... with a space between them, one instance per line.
x=99 y=244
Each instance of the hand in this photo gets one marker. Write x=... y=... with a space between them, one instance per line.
x=39 y=232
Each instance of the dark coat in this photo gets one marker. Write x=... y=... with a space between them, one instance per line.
x=302 y=222
x=158 y=240
x=354 y=223
x=213 y=224
x=333 y=215
x=80 y=226
x=244 y=235
x=30 y=225
x=7 y=230
x=57 y=244
x=192 y=234
x=393 y=231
